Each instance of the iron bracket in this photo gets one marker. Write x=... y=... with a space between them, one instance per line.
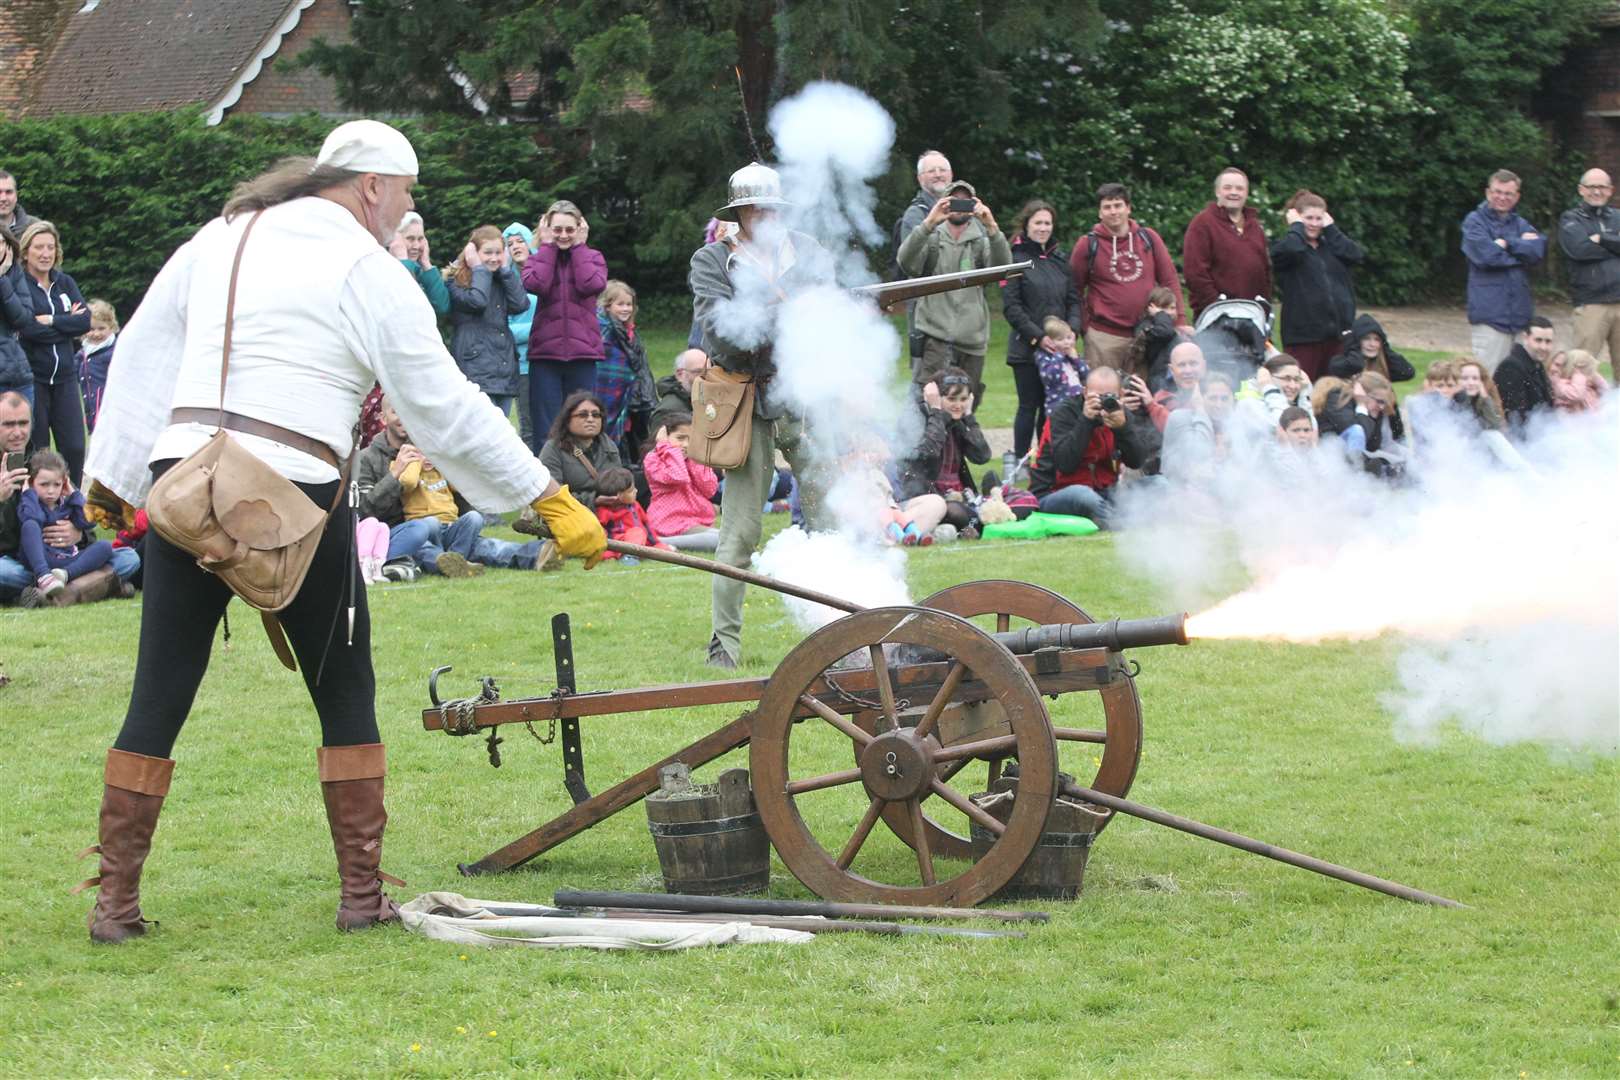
x=573 y=751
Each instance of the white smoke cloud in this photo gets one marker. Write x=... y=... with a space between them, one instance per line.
x=1499 y=569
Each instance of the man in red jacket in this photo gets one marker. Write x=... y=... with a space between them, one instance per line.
x=1115 y=267
x=1225 y=249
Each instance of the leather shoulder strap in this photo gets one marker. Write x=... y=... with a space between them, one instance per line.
x=230 y=314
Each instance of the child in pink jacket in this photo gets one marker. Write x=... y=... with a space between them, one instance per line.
x=681 y=510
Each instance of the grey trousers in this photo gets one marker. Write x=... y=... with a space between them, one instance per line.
x=742 y=511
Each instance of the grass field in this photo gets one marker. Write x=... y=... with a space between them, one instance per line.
x=1181 y=959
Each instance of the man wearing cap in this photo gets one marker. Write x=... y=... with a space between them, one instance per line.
x=737 y=286
x=955 y=325
x=304 y=351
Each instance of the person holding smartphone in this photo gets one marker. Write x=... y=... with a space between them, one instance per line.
x=1086 y=441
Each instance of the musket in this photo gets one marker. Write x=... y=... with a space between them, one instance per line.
x=886 y=293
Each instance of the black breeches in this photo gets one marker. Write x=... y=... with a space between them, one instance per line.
x=182 y=604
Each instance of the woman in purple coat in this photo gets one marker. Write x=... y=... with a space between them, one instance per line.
x=565 y=342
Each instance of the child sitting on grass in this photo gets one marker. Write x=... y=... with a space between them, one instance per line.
x=1063 y=372
x=865 y=489
x=50 y=498
x=682 y=508
x=621 y=515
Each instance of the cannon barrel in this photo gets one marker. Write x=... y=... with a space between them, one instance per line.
x=1115 y=634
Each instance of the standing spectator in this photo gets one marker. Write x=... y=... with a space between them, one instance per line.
x=13 y=218
x=519 y=245
x=410 y=246
x=566 y=341
x=1313 y=260
x=484 y=289
x=1367 y=349
x=1522 y=379
x=577 y=452
x=59 y=318
x=1501 y=247
x=1086 y=441
x=1589 y=237
x=97 y=357
x=682 y=506
x=16 y=375
x=624 y=380
x=1045 y=291
x=675 y=390
x=955 y=325
x=1118 y=265
x=1063 y=370
x=1224 y=251
x=934 y=178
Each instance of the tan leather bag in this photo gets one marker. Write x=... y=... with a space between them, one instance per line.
x=243 y=521
x=722 y=418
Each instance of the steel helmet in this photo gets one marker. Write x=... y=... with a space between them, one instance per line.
x=754 y=185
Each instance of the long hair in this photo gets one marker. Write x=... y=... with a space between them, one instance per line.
x=288 y=179
x=459 y=271
x=1484 y=377
x=1030 y=209
x=559 y=426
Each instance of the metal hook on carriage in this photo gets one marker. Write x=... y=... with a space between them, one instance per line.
x=433 y=685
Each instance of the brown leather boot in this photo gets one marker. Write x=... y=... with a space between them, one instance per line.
x=352 y=784
x=136 y=786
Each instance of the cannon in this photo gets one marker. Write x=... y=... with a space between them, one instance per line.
x=875 y=718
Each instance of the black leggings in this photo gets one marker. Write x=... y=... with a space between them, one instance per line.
x=59 y=411
x=1031 y=397
x=182 y=604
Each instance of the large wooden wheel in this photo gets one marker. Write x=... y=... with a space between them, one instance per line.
x=821 y=817
x=1015 y=604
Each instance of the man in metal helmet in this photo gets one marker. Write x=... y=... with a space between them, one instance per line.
x=737 y=286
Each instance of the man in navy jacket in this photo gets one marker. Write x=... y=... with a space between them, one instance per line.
x=1501 y=247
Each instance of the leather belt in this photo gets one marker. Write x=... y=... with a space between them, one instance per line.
x=249 y=426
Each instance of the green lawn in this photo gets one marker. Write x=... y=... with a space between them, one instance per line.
x=1181 y=959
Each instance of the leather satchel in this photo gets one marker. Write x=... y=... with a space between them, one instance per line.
x=240 y=519
x=722 y=418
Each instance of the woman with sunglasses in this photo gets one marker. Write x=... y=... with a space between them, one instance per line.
x=565 y=340
x=577 y=451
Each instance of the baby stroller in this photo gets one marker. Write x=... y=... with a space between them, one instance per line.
x=1234 y=336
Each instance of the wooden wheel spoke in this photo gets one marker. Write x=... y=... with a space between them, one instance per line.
x=968 y=807
x=1000 y=746
x=1003 y=622
x=821 y=709
x=1069 y=734
x=880 y=673
x=925 y=860
x=825 y=780
x=874 y=810
x=941 y=699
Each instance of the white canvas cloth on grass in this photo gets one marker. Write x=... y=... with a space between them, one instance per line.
x=448 y=916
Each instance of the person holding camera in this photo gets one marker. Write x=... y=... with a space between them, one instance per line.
x=1086 y=441
x=959 y=233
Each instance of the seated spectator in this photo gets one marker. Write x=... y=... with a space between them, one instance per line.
x=1521 y=379
x=1431 y=408
x=675 y=391
x=576 y=450
x=484 y=290
x=1367 y=349
x=49 y=499
x=520 y=245
x=1063 y=372
x=951 y=439
x=16 y=376
x=1156 y=334
x=428 y=520
x=17 y=584
x=621 y=515
x=682 y=509
x=1279 y=384
x=1085 y=442
x=59 y=319
x=96 y=354
x=1577 y=384
x=1364 y=415
x=1187 y=371
x=1297 y=464
x=624 y=380
x=1476 y=396
x=1197 y=441
x=865 y=477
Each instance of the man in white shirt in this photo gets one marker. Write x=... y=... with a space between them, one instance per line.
x=321 y=311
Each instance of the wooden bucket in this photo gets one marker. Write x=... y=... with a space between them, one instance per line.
x=1056 y=869
x=709 y=837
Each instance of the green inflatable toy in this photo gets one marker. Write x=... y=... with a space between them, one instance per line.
x=1039 y=525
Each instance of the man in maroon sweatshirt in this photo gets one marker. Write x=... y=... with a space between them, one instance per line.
x=1225 y=249
x=1115 y=267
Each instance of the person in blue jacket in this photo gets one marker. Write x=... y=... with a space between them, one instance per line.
x=1501 y=247
x=59 y=317
x=519 y=245
x=15 y=373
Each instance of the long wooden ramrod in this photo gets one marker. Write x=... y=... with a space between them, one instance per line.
x=1258 y=847
x=808 y=923
x=739 y=905
x=714 y=566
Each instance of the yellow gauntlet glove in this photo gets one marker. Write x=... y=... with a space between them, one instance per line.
x=575 y=528
x=105 y=509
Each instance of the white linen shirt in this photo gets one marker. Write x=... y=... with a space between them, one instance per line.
x=321 y=311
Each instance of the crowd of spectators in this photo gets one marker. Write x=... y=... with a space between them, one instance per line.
x=1119 y=376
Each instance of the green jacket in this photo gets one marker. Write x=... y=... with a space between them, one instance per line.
x=961 y=316
x=432 y=282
